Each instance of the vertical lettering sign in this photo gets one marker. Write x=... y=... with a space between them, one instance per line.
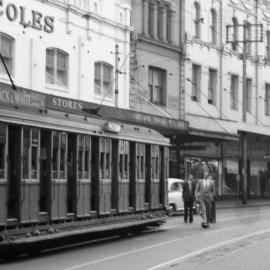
x=27 y=18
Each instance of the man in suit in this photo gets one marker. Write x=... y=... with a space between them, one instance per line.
x=188 y=196
x=205 y=191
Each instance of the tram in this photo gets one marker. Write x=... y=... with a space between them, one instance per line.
x=64 y=176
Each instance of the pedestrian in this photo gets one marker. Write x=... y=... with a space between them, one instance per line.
x=188 y=196
x=204 y=195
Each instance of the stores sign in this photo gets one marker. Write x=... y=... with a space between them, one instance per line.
x=27 y=18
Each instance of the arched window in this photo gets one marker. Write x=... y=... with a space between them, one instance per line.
x=267 y=45
x=56 y=67
x=235 y=34
x=213 y=26
x=197 y=20
x=7 y=52
x=103 y=80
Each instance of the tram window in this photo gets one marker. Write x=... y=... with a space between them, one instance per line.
x=34 y=157
x=2 y=150
x=87 y=157
x=138 y=166
x=102 y=165
x=26 y=152
x=152 y=167
x=107 y=165
x=80 y=155
x=55 y=153
x=121 y=171
x=142 y=167
x=157 y=161
x=125 y=176
x=63 y=155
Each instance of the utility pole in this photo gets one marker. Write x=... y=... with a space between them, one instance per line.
x=245 y=41
x=116 y=90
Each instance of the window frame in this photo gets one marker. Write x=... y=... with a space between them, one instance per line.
x=104 y=93
x=212 y=86
x=267 y=47
x=249 y=95
x=55 y=68
x=196 y=82
x=197 y=20
x=234 y=92
x=267 y=100
x=235 y=34
x=213 y=26
x=161 y=75
x=12 y=68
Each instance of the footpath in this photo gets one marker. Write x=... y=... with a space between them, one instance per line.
x=220 y=204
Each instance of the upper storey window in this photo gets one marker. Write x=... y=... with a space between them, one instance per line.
x=197 y=20
x=235 y=34
x=213 y=26
x=267 y=54
x=56 y=67
x=103 y=79
x=158 y=20
x=7 y=52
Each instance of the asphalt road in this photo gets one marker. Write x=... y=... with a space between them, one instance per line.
x=239 y=240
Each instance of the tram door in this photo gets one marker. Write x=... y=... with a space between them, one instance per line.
x=121 y=175
x=84 y=176
x=30 y=174
x=140 y=176
x=105 y=176
x=59 y=175
x=3 y=174
x=14 y=171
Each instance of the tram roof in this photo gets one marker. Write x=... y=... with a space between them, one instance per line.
x=84 y=124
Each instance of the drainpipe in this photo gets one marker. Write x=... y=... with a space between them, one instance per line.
x=221 y=48
x=256 y=69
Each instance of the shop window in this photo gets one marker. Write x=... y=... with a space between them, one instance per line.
x=157 y=85
x=249 y=95
x=196 y=82
x=234 y=92
x=235 y=34
x=197 y=20
x=213 y=26
x=212 y=86
x=56 y=67
x=267 y=100
x=7 y=52
x=103 y=80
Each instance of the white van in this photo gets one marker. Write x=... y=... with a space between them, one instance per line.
x=175 y=195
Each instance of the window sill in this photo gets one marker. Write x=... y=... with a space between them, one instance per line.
x=53 y=87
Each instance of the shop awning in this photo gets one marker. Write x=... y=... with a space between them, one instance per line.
x=212 y=128
x=262 y=130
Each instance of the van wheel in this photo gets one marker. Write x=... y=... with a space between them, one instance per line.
x=172 y=210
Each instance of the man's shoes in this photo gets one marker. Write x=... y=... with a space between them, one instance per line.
x=185 y=221
x=205 y=225
x=191 y=221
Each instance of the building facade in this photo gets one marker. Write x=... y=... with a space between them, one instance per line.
x=68 y=48
x=226 y=88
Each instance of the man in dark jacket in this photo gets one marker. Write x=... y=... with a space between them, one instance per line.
x=188 y=196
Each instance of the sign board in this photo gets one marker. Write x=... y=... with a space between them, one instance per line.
x=112 y=127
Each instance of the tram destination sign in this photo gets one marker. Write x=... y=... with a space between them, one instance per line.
x=21 y=99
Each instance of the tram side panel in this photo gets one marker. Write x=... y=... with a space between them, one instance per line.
x=3 y=173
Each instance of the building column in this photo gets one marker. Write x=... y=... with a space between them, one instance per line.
x=164 y=24
x=145 y=17
x=154 y=6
